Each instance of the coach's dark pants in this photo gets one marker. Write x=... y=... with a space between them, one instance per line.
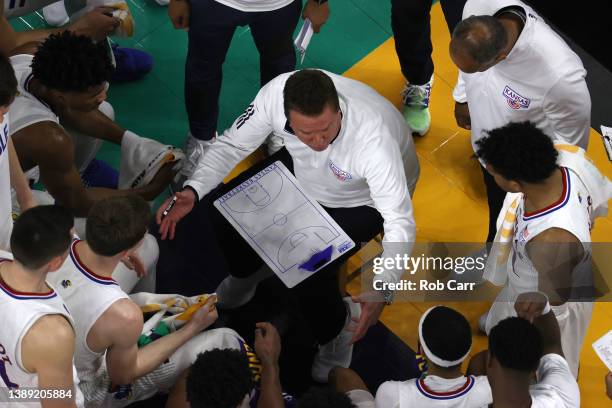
x=411 y=26
x=318 y=297
x=211 y=28
x=495 y=199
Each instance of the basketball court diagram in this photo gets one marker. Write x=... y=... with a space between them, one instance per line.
x=282 y=224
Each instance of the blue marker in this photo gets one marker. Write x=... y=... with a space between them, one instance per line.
x=318 y=260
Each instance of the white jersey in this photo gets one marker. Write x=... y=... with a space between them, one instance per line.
x=541 y=80
x=571 y=212
x=433 y=391
x=371 y=162
x=6 y=207
x=88 y=296
x=255 y=5
x=27 y=109
x=18 y=313
x=556 y=387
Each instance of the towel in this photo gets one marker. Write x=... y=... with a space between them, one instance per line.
x=142 y=158
x=600 y=190
x=165 y=313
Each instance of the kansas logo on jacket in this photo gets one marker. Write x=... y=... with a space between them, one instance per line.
x=515 y=100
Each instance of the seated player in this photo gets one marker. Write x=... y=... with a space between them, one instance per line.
x=11 y=174
x=59 y=119
x=37 y=337
x=112 y=18
x=522 y=346
x=235 y=377
x=445 y=340
x=113 y=371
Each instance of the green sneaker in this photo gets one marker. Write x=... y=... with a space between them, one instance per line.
x=416 y=107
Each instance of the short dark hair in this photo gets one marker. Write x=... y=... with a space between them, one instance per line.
x=519 y=151
x=447 y=333
x=219 y=378
x=116 y=224
x=8 y=82
x=69 y=62
x=482 y=37
x=308 y=92
x=516 y=344
x=40 y=234
x=324 y=397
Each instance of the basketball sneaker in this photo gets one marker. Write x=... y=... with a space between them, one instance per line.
x=131 y=64
x=416 y=107
x=55 y=14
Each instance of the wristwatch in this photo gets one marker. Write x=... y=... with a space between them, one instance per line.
x=388 y=296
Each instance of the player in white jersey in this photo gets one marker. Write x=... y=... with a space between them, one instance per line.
x=64 y=84
x=11 y=174
x=555 y=209
x=523 y=348
x=37 y=337
x=445 y=340
x=351 y=150
x=513 y=68
x=113 y=370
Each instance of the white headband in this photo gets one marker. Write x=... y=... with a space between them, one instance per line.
x=431 y=356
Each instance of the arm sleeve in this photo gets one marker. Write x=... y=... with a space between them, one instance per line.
x=567 y=106
x=246 y=134
x=384 y=173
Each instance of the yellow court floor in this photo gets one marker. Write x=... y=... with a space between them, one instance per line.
x=450 y=200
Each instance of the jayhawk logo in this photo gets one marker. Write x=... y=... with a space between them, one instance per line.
x=66 y=283
x=515 y=100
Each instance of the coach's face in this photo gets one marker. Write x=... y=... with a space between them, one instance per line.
x=317 y=132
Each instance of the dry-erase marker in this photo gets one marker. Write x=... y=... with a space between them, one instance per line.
x=169 y=207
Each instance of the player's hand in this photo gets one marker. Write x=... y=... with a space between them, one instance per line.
x=204 y=316
x=185 y=200
x=178 y=11
x=159 y=183
x=134 y=263
x=462 y=115
x=372 y=306
x=267 y=343
x=609 y=385
x=530 y=305
x=316 y=13
x=97 y=23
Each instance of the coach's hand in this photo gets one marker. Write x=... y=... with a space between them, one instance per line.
x=185 y=200
x=462 y=115
x=372 y=306
x=316 y=13
x=178 y=11
x=97 y=23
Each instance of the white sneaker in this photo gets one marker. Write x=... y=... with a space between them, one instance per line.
x=234 y=292
x=55 y=14
x=193 y=149
x=338 y=352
